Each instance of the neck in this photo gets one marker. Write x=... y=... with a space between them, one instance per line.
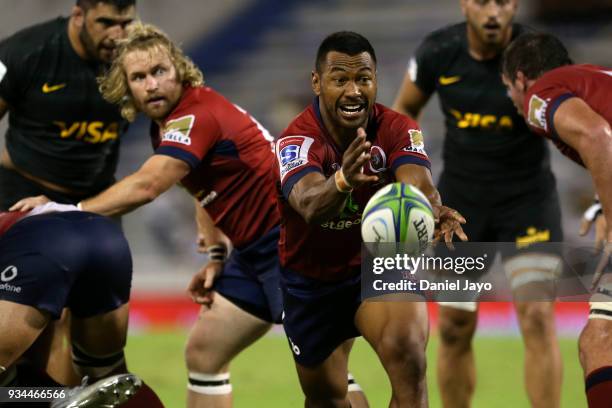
x=482 y=51
x=341 y=135
x=75 y=41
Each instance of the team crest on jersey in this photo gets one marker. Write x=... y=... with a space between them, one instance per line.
x=178 y=130
x=417 y=145
x=537 y=112
x=378 y=160
x=292 y=153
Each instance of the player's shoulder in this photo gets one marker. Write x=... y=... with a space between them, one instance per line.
x=390 y=122
x=447 y=38
x=304 y=124
x=32 y=39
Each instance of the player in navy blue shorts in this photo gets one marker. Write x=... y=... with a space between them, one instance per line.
x=75 y=260
x=223 y=157
x=331 y=159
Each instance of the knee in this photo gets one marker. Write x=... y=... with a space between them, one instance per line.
x=197 y=357
x=405 y=351
x=537 y=320
x=457 y=329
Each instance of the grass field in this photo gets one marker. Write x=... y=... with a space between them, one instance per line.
x=264 y=376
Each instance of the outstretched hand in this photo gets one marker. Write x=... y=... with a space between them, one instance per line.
x=448 y=222
x=355 y=157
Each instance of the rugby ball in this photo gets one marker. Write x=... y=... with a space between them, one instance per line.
x=399 y=212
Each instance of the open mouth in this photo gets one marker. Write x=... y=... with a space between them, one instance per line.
x=156 y=100
x=492 y=26
x=354 y=109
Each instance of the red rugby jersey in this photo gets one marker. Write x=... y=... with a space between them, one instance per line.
x=591 y=83
x=231 y=160
x=331 y=251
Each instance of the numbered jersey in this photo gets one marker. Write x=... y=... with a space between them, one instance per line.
x=591 y=83
x=331 y=251
x=60 y=127
x=231 y=160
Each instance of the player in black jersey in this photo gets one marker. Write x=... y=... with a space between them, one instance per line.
x=497 y=174
x=63 y=138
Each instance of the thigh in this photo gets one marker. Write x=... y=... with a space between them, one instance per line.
x=222 y=331
x=326 y=381
x=102 y=334
x=20 y=325
x=318 y=317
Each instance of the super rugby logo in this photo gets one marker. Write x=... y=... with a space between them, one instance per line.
x=292 y=153
x=178 y=130
x=537 y=112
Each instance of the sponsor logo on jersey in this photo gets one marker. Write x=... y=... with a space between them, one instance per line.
x=7 y=275
x=378 y=160
x=178 y=130
x=471 y=120
x=417 y=144
x=537 y=112
x=292 y=153
x=449 y=80
x=46 y=88
x=533 y=236
x=2 y=70
x=89 y=132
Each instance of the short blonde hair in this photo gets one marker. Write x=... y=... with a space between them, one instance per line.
x=143 y=37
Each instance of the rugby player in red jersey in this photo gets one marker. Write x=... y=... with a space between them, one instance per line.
x=332 y=158
x=39 y=277
x=224 y=158
x=570 y=104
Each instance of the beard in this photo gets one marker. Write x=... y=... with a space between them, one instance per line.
x=88 y=43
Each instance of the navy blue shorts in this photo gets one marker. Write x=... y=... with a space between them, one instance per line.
x=77 y=260
x=318 y=316
x=250 y=278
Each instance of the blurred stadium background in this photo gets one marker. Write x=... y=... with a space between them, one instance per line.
x=259 y=53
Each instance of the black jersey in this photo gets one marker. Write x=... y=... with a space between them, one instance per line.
x=60 y=127
x=486 y=141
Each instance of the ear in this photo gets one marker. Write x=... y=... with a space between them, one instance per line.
x=521 y=81
x=78 y=16
x=315 y=82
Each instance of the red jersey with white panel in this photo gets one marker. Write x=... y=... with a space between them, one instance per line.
x=231 y=160
x=7 y=219
x=591 y=83
x=331 y=251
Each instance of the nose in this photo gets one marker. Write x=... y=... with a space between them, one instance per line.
x=353 y=89
x=151 y=84
x=492 y=9
x=117 y=32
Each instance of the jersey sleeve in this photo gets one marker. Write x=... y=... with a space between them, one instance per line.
x=405 y=144
x=296 y=156
x=422 y=67
x=190 y=136
x=13 y=70
x=541 y=102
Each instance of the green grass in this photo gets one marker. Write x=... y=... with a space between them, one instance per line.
x=264 y=375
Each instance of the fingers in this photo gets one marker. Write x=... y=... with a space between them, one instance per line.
x=29 y=203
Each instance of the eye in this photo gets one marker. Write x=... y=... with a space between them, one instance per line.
x=136 y=77
x=365 y=80
x=159 y=71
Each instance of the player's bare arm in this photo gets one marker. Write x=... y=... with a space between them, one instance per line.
x=410 y=100
x=318 y=199
x=155 y=177
x=448 y=220
x=590 y=134
x=3 y=108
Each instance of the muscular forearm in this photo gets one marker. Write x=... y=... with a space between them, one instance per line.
x=123 y=197
x=597 y=159
x=320 y=202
